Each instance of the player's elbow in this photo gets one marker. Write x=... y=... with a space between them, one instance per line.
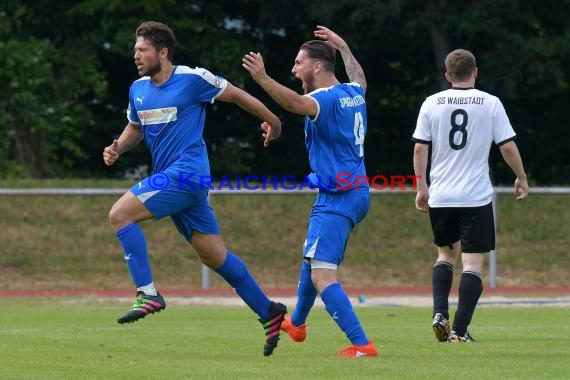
x=509 y=149
x=421 y=149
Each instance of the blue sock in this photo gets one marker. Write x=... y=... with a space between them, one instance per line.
x=136 y=255
x=306 y=295
x=340 y=309
x=234 y=271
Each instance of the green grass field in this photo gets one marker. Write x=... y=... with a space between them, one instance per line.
x=67 y=242
x=79 y=339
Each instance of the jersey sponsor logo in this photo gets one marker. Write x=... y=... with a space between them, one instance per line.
x=158 y=116
x=356 y=101
x=140 y=100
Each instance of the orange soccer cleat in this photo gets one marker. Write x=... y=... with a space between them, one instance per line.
x=297 y=334
x=358 y=351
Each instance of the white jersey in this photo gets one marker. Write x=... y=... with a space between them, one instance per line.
x=461 y=124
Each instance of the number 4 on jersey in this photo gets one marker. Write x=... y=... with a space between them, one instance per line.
x=359 y=132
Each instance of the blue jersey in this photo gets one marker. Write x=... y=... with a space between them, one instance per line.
x=335 y=137
x=172 y=118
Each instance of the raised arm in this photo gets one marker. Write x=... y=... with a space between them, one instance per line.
x=353 y=69
x=284 y=96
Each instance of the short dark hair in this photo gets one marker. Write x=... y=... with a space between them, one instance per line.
x=159 y=35
x=320 y=50
x=460 y=64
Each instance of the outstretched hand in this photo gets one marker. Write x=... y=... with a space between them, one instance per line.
x=253 y=62
x=328 y=35
x=111 y=153
x=269 y=132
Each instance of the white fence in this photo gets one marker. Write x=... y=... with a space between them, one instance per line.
x=205 y=270
x=97 y=191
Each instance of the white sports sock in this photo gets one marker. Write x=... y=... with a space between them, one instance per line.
x=149 y=289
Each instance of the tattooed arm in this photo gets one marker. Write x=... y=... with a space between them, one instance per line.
x=353 y=68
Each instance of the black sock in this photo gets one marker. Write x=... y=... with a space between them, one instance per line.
x=442 y=278
x=470 y=289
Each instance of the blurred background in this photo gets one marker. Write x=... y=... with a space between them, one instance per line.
x=65 y=72
x=66 y=68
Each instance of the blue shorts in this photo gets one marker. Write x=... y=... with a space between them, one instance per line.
x=332 y=219
x=189 y=208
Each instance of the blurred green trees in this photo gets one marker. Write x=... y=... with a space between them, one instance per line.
x=66 y=68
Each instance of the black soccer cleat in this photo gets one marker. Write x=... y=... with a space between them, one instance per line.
x=272 y=326
x=143 y=306
x=467 y=338
x=441 y=327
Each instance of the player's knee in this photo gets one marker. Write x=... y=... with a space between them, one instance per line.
x=210 y=260
x=447 y=256
x=210 y=249
x=473 y=262
x=322 y=278
x=116 y=218
x=449 y=253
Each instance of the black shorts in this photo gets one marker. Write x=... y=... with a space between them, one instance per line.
x=473 y=226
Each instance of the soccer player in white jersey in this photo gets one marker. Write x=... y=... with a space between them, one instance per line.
x=335 y=128
x=167 y=109
x=460 y=124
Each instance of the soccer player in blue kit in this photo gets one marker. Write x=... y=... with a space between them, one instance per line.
x=335 y=128
x=167 y=109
